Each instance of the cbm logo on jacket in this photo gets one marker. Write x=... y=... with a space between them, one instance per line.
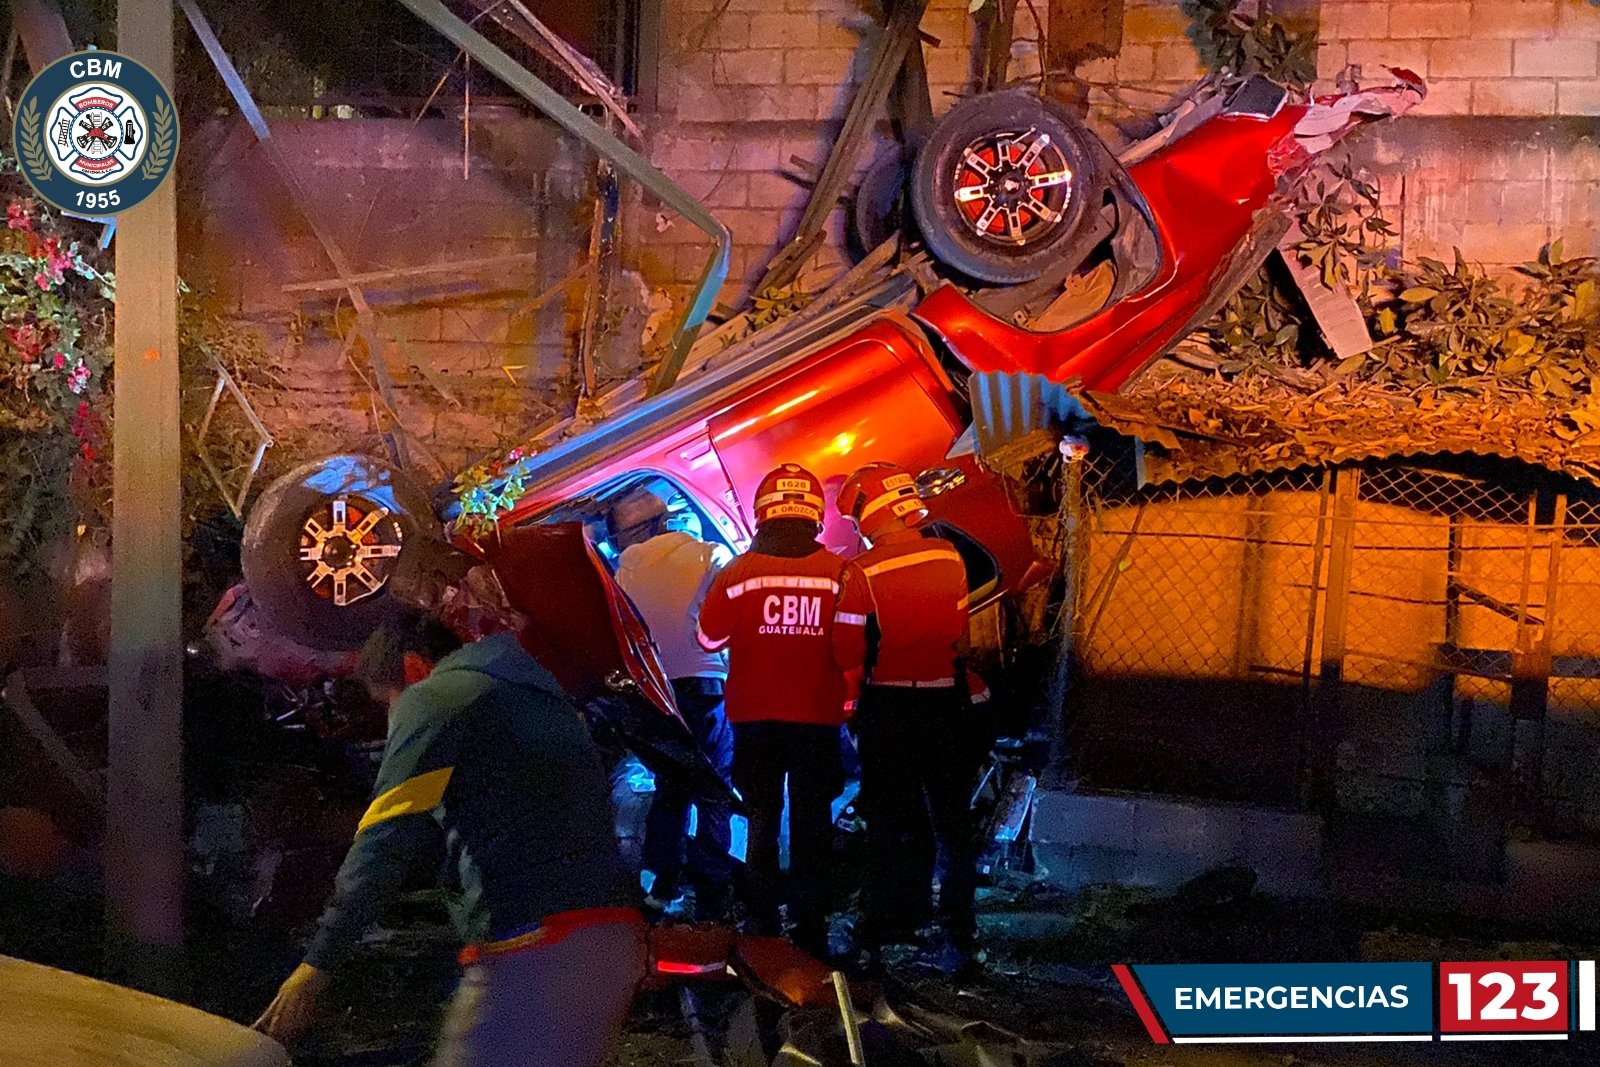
x=799 y=615
x=96 y=133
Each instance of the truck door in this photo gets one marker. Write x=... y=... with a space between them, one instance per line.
x=863 y=401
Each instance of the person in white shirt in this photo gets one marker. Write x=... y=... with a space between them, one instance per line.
x=665 y=570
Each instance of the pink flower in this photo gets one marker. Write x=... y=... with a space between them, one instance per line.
x=42 y=281
x=58 y=264
x=58 y=360
x=78 y=380
x=17 y=217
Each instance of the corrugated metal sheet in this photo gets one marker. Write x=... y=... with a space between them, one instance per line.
x=1007 y=407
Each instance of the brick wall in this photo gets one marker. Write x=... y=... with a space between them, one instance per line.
x=746 y=86
x=1484 y=57
x=393 y=194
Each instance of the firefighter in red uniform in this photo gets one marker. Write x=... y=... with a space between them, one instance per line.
x=792 y=616
x=914 y=722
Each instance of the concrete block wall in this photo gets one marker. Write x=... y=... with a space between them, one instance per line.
x=746 y=87
x=393 y=194
x=1483 y=57
x=1500 y=159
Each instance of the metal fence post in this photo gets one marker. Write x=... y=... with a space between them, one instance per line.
x=1530 y=670
x=1057 y=772
x=1314 y=602
x=1335 y=613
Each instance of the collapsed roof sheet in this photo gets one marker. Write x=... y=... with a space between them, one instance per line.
x=1215 y=428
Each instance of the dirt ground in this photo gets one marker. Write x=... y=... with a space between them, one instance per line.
x=1045 y=977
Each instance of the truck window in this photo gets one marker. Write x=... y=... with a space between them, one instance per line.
x=983 y=575
x=605 y=510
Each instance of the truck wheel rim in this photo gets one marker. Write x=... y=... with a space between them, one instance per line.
x=347 y=550
x=1012 y=189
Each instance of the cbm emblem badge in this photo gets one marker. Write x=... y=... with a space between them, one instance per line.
x=96 y=133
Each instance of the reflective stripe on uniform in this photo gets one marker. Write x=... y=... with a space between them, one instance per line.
x=782 y=581
x=707 y=643
x=937 y=683
x=413 y=796
x=911 y=560
x=849 y=618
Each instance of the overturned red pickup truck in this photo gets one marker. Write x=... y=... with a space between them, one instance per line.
x=1008 y=189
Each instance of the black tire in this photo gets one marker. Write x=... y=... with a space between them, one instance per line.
x=276 y=575
x=880 y=208
x=1022 y=252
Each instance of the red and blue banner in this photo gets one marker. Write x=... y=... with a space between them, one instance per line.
x=1313 y=1002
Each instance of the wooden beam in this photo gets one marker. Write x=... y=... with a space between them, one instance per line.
x=15 y=696
x=1335 y=617
x=43 y=31
x=145 y=866
x=998 y=27
x=463 y=267
x=898 y=37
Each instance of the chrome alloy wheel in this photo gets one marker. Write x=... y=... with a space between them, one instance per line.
x=1013 y=188
x=348 y=550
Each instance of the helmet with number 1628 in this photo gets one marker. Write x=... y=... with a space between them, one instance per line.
x=789 y=492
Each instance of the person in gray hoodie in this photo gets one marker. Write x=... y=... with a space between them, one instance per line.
x=491 y=757
x=665 y=570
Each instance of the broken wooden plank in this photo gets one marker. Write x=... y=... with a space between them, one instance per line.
x=15 y=696
x=898 y=37
x=43 y=31
x=464 y=267
x=911 y=100
x=996 y=34
x=1334 y=308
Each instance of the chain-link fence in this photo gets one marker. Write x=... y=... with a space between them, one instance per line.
x=1366 y=635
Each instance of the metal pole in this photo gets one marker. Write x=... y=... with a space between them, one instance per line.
x=847 y=1014
x=144 y=860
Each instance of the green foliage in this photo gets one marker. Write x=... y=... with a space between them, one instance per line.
x=488 y=490
x=55 y=398
x=54 y=314
x=1450 y=327
x=1228 y=39
x=1455 y=326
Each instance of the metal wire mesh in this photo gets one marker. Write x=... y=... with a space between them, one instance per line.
x=1418 y=591
x=1208 y=579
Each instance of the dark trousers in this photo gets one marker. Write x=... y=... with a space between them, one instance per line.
x=918 y=765
x=765 y=755
x=667 y=848
x=558 y=1005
